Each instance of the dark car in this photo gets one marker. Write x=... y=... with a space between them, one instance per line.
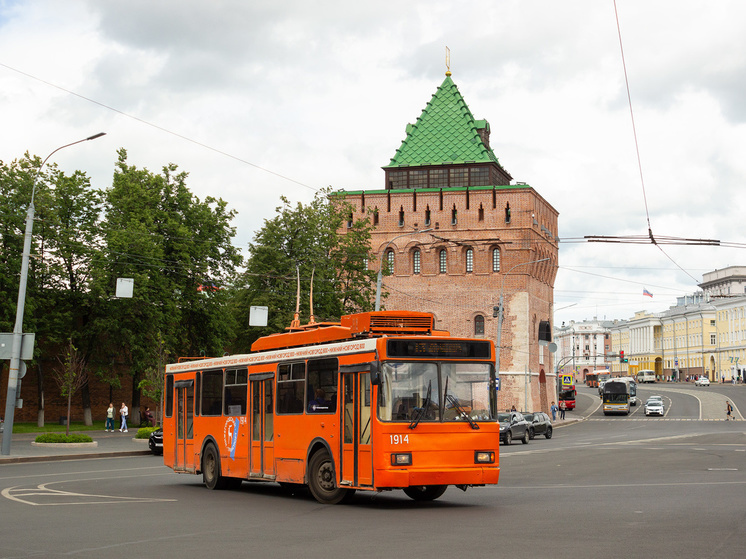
x=513 y=426
x=540 y=424
x=156 y=441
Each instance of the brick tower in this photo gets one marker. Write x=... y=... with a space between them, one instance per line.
x=453 y=236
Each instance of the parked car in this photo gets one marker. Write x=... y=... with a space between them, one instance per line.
x=156 y=441
x=654 y=406
x=540 y=424
x=702 y=381
x=513 y=426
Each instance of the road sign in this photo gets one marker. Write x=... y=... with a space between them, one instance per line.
x=27 y=346
x=497 y=383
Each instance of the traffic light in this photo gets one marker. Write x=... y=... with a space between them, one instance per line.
x=622 y=358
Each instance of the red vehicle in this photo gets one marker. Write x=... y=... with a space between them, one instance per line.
x=567 y=397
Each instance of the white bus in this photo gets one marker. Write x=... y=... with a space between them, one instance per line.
x=646 y=375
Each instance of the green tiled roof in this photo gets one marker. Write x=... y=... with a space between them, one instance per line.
x=445 y=133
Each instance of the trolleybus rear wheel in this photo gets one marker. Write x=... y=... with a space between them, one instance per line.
x=211 y=468
x=321 y=480
x=425 y=492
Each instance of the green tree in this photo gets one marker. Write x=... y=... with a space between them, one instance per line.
x=313 y=239
x=173 y=246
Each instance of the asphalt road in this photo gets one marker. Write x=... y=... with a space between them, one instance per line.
x=623 y=486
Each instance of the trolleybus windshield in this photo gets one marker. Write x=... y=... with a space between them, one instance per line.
x=402 y=395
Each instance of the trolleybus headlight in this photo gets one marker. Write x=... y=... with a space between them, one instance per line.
x=484 y=457
x=403 y=459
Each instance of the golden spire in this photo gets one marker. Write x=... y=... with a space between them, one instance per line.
x=448 y=61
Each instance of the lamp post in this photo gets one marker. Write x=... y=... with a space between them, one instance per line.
x=15 y=360
x=379 y=281
x=501 y=313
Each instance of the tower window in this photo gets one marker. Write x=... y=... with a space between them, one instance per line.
x=427 y=216
x=495 y=259
x=481 y=213
x=401 y=216
x=443 y=259
x=479 y=325
x=416 y=261
x=469 y=260
x=390 y=261
x=454 y=216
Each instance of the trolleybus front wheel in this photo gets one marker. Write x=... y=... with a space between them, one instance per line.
x=321 y=480
x=425 y=492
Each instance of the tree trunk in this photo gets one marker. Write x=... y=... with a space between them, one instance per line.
x=135 y=408
x=86 y=396
x=69 y=404
x=40 y=390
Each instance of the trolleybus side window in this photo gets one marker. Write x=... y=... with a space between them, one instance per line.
x=197 y=394
x=169 y=411
x=291 y=385
x=212 y=392
x=236 y=391
x=322 y=386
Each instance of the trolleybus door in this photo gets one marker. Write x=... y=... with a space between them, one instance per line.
x=262 y=456
x=357 y=468
x=184 y=449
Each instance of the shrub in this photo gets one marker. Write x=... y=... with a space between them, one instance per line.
x=62 y=438
x=144 y=432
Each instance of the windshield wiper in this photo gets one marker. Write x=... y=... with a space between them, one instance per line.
x=454 y=403
x=421 y=411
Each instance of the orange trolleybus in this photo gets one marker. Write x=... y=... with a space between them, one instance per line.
x=377 y=402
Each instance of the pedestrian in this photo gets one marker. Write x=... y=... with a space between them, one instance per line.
x=148 y=416
x=110 y=414
x=562 y=410
x=512 y=408
x=728 y=410
x=123 y=413
x=554 y=411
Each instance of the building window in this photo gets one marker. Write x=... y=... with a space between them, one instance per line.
x=481 y=213
x=438 y=178
x=479 y=325
x=416 y=261
x=401 y=216
x=349 y=220
x=390 y=261
x=469 y=260
x=427 y=216
x=713 y=339
x=507 y=212
x=495 y=259
x=454 y=216
x=443 y=259
x=375 y=216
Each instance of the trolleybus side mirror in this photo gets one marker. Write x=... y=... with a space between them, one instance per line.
x=375 y=373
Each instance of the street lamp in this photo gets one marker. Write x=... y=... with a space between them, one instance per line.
x=15 y=359
x=501 y=313
x=379 y=281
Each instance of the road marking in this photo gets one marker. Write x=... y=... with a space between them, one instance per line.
x=36 y=496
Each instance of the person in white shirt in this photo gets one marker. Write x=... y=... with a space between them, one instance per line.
x=123 y=413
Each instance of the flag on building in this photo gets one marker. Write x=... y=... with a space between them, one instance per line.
x=646 y=292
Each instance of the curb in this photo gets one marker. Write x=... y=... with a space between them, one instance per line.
x=92 y=444
x=23 y=459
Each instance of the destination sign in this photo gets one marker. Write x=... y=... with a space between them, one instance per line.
x=455 y=349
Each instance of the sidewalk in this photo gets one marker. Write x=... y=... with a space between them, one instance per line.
x=107 y=445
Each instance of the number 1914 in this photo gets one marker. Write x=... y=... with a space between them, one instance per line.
x=399 y=439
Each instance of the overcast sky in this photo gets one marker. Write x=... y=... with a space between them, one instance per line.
x=257 y=99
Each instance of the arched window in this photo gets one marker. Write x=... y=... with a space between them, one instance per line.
x=469 y=260
x=495 y=259
x=443 y=260
x=479 y=325
x=416 y=261
x=390 y=261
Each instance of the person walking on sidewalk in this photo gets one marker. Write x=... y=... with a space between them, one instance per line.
x=553 y=409
x=123 y=413
x=728 y=410
x=562 y=410
x=110 y=414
